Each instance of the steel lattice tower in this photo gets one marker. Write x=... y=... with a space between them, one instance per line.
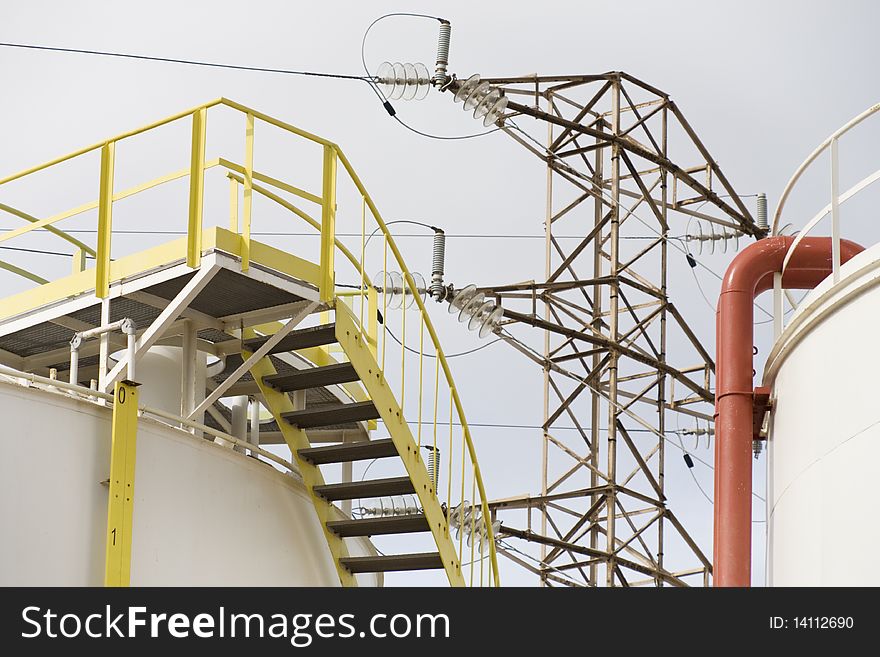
x=625 y=173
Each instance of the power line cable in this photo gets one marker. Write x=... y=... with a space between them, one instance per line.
x=461 y=353
x=623 y=409
x=189 y=62
x=93 y=231
x=40 y=251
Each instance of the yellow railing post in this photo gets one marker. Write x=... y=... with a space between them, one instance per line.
x=79 y=261
x=233 y=205
x=328 y=225
x=196 y=189
x=248 y=193
x=123 y=447
x=105 y=220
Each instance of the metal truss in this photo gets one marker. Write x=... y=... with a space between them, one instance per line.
x=625 y=174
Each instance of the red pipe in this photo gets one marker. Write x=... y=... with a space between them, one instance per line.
x=750 y=274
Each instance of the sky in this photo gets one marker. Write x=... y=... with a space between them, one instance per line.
x=762 y=83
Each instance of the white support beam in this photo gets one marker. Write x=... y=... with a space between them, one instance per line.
x=202 y=320
x=71 y=323
x=12 y=360
x=188 y=365
x=167 y=317
x=104 y=351
x=256 y=356
x=264 y=315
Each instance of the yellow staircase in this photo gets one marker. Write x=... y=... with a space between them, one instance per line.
x=455 y=521
x=361 y=366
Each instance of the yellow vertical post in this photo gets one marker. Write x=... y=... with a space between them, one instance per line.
x=372 y=330
x=363 y=254
x=233 y=205
x=79 y=261
x=328 y=225
x=248 y=193
x=121 y=503
x=196 y=189
x=105 y=220
x=402 y=344
x=373 y=320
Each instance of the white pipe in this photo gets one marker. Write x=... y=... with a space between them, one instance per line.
x=101 y=330
x=255 y=424
x=130 y=349
x=126 y=325
x=74 y=363
x=54 y=383
x=239 y=419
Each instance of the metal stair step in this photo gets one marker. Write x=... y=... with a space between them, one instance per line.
x=313 y=336
x=352 y=490
x=381 y=564
x=347 y=452
x=382 y=525
x=314 y=377
x=325 y=416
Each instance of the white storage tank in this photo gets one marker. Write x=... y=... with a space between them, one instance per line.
x=824 y=435
x=204 y=515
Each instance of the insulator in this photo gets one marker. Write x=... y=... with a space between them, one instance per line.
x=433 y=463
x=399 y=293
x=466 y=88
x=403 y=81
x=762 y=212
x=397 y=505
x=710 y=237
x=472 y=307
x=487 y=101
x=438 y=291
x=477 y=95
x=468 y=518
x=441 y=77
x=494 y=113
x=698 y=432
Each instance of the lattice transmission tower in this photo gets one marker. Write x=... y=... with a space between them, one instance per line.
x=625 y=173
x=626 y=176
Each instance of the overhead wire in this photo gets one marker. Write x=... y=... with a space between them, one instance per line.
x=623 y=409
x=188 y=62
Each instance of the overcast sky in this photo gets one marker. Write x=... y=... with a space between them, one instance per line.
x=761 y=82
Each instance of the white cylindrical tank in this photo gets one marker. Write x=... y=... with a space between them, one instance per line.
x=204 y=515
x=824 y=440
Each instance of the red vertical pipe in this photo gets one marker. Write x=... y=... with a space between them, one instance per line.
x=750 y=274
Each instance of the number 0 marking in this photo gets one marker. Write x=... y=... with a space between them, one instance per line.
x=121 y=395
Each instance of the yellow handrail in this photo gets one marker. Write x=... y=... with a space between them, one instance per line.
x=325 y=227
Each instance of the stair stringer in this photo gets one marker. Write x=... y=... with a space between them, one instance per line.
x=353 y=344
x=278 y=403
